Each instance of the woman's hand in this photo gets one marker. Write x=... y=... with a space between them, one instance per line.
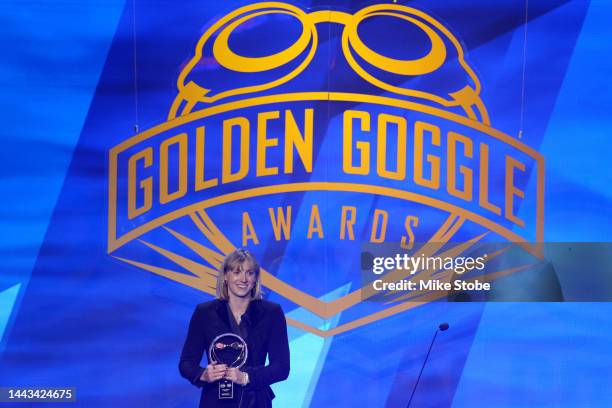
x=214 y=372
x=237 y=376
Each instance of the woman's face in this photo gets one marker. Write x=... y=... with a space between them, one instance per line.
x=240 y=279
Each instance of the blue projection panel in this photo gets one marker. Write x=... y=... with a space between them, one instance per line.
x=144 y=140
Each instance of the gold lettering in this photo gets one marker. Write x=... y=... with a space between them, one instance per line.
x=263 y=142
x=200 y=182
x=248 y=231
x=347 y=223
x=226 y=173
x=380 y=216
x=146 y=184
x=381 y=165
x=363 y=147
x=434 y=161
x=409 y=222
x=295 y=140
x=483 y=185
x=511 y=190
x=314 y=224
x=281 y=222
x=451 y=166
x=181 y=141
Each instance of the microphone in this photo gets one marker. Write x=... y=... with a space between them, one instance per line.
x=442 y=327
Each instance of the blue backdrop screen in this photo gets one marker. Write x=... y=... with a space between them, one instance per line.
x=153 y=138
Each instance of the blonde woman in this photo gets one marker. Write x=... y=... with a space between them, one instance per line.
x=238 y=309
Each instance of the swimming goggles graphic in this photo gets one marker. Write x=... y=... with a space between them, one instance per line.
x=360 y=57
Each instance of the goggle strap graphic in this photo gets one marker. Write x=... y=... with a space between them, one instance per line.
x=191 y=94
x=469 y=100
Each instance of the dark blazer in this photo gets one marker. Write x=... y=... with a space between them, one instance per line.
x=267 y=335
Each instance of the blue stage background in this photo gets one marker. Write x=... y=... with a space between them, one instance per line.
x=71 y=315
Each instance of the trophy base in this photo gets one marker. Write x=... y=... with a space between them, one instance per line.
x=226 y=389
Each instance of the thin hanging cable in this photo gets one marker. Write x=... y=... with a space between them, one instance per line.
x=522 y=115
x=135 y=66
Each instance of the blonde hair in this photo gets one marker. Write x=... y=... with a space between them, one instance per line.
x=239 y=256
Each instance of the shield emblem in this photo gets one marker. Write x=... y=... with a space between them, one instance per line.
x=305 y=136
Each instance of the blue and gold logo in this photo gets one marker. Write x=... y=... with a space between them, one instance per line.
x=303 y=135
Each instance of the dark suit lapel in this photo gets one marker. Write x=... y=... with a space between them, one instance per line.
x=221 y=309
x=252 y=319
x=252 y=314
